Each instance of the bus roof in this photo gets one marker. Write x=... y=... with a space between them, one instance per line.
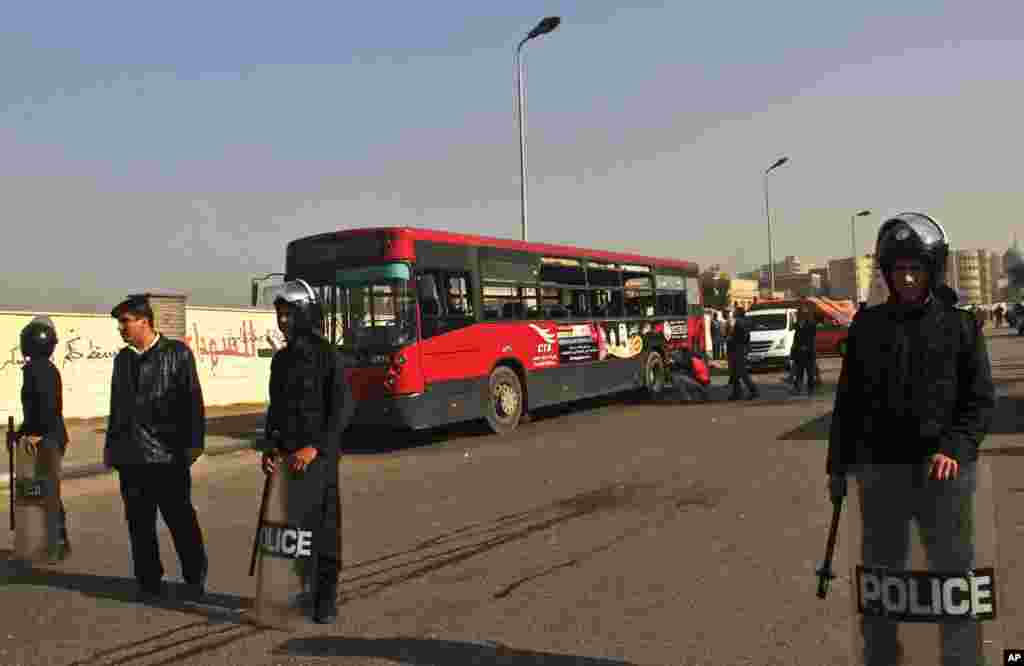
x=419 y=234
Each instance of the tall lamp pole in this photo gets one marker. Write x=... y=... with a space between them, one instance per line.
x=544 y=27
x=767 y=211
x=853 y=244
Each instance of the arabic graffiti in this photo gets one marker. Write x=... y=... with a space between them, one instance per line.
x=246 y=344
x=73 y=352
x=16 y=360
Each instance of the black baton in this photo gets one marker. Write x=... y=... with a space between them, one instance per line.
x=10 y=462
x=825 y=575
x=259 y=525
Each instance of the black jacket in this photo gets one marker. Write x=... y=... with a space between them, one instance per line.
x=42 y=402
x=740 y=338
x=805 y=339
x=310 y=400
x=156 y=406
x=913 y=383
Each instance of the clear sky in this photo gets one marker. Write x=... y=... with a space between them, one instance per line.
x=182 y=145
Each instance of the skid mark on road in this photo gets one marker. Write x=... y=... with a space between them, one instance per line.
x=206 y=637
x=457 y=546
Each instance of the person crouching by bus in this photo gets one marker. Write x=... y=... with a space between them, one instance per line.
x=310 y=407
x=42 y=404
x=738 y=345
x=803 y=354
x=689 y=374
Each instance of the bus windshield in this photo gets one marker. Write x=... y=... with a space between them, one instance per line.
x=370 y=309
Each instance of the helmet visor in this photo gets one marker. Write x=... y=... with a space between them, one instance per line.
x=295 y=291
x=927 y=229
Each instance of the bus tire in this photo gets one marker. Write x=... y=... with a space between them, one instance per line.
x=654 y=374
x=504 y=400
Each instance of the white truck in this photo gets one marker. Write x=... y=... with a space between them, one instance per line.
x=771 y=336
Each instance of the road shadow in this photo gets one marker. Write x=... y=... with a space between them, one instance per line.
x=1007 y=419
x=428 y=652
x=214 y=607
x=360 y=439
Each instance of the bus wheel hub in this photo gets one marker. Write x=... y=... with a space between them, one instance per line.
x=506 y=399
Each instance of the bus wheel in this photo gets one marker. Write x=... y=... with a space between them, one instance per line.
x=505 y=400
x=654 y=374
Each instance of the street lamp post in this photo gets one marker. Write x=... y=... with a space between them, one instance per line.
x=545 y=26
x=768 y=214
x=853 y=242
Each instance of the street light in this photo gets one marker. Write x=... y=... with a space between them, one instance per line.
x=771 y=251
x=853 y=242
x=544 y=27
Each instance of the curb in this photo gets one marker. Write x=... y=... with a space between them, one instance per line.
x=99 y=469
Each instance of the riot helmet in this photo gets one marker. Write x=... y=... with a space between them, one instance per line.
x=38 y=338
x=913 y=236
x=302 y=303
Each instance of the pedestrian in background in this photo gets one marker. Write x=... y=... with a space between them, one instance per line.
x=716 y=336
x=804 y=353
x=738 y=345
x=155 y=432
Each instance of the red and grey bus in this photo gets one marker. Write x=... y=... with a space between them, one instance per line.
x=437 y=327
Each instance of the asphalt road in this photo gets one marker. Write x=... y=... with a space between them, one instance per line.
x=613 y=532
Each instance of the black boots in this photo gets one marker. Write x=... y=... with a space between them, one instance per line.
x=325 y=605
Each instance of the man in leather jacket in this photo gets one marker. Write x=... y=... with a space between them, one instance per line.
x=912 y=407
x=310 y=407
x=156 y=431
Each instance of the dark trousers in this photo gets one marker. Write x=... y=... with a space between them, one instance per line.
x=328 y=558
x=718 y=347
x=805 y=365
x=740 y=372
x=891 y=497
x=144 y=489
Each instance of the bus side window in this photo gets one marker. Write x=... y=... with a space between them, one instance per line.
x=459 y=302
x=430 y=304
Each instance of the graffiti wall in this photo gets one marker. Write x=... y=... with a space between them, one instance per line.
x=233 y=348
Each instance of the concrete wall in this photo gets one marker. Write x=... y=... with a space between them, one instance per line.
x=233 y=348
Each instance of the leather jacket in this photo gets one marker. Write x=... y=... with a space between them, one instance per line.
x=159 y=416
x=915 y=381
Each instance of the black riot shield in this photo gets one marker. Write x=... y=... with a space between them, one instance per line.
x=290 y=536
x=925 y=581
x=36 y=500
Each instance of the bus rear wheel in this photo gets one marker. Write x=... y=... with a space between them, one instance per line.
x=504 y=400
x=654 y=374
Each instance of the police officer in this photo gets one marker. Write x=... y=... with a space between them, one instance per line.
x=310 y=405
x=912 y=407
x=804 y=353
x=43 y=406
x=737 y=346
